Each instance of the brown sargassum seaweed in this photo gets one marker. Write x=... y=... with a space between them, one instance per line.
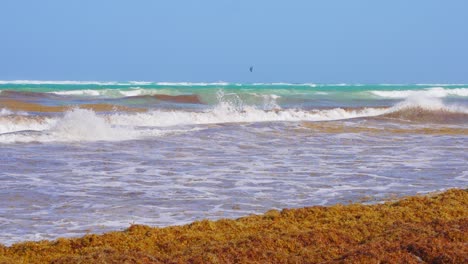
x=419 y=229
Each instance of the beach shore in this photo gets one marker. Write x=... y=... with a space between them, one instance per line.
x=419 y=229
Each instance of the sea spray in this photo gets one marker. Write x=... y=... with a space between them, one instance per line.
x=426 y=102
x=86 y=125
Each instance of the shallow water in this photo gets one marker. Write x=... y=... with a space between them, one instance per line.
x=72 y=172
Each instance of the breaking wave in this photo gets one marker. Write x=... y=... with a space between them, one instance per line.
x=4 y=112
x=87 y=125
x=101 y=83
x=37 y=82
x=420 y=108
x=74 y=125
x=438 y=92
x=115 y=93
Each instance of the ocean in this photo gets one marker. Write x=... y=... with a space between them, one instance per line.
x=92 y=157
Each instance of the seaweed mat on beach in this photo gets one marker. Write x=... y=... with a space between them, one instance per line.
x=419 y=229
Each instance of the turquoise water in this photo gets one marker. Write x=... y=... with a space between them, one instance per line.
x=288 y=95
x=357 y=90
x=94 y=157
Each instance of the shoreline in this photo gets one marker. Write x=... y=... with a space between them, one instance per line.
x=429 y=228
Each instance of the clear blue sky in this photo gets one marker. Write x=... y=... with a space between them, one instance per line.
x=323 y=41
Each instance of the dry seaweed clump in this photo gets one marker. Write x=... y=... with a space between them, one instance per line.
x=420 y=229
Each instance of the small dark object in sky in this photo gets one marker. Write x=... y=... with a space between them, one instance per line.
x=251 y=69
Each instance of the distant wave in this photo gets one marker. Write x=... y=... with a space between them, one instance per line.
x=440 y=84
x=133 y=92
x=193 y=83
x=104 y=83
x=100 y=83
x=34 y=82
x=87 y=92
x=431 y=92
x=218 y=83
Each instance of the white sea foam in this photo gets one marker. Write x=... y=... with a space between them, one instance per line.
x=12 y=124
x=192 y=83
x=428 y=103
x=86 y=125
x=36 y=82
x=4 y=112
x=277 y=83
x=79 y=92
x=39 y=82
x=133 y=91
x=284 y=84
x=105 y=92
x=440 y=84
x=439 y=92
x=74 y=125
x=140 y=83
x=229 y=113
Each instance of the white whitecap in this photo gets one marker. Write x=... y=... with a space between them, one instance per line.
x=79 y=92
x=438 y=92
x=428 y=103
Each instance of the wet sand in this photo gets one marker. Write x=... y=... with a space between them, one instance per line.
x=419 y=229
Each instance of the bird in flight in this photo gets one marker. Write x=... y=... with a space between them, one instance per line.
x=251 y=69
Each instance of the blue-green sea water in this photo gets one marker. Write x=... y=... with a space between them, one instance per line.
x=80 y=157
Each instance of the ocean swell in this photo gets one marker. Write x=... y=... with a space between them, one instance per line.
x=437 y=92
x=87 y=125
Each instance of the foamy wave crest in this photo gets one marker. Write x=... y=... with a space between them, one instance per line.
x=428 y=103
x=284 y=84
x=428 y=110
x=8 y=112
x=75 y=125
x=113 y=93
x=100 y=83
x=79 y=92
x=35 y=82
x=227 y=113
x=4 y=112
x=10 y=124
x=192 y=84
x=104 y=92
x=438 y=92
x=86 y=125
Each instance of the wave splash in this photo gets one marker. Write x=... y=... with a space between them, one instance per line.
x=74 y=125
x=87 y=125
x=420 y=108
